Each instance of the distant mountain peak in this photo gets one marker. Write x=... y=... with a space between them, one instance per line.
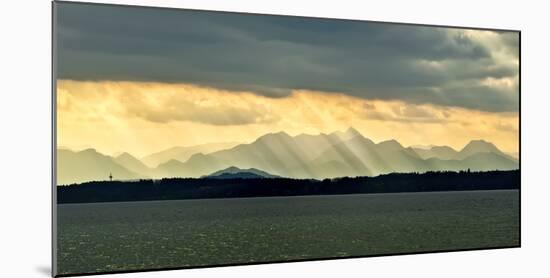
x=479 y=141
x=232 y=169
x=126 y=155
x=352 y=130
x=183 y=153
x=347 y=134
x=280 y=133
x=480 y=144
x=170 y=162
x=131 y=163
x=235 y=172
x=435 y=151
x=275 y=135
x=89 y=150
x=391 y=142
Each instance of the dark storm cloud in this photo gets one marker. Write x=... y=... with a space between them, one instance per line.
x=273 y=55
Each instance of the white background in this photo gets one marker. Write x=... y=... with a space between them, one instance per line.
x=25 y=138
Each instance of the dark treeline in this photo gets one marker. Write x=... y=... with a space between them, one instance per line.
x=191 y=188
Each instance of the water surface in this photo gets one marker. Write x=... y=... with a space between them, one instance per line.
x=102 y=237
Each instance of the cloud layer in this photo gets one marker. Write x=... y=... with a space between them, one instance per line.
x=145 y=117
x=274 y=56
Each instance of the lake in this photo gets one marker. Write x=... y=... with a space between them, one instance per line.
x=106 y=237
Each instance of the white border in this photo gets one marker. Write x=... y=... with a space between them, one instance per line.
x=26 y=138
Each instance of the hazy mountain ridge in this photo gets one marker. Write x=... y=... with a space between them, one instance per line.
x=319 y=156
x=89 y=165
x=183 y=153
x=131 y=163
x=448 y=153
x=441 y=152
x=234 y=172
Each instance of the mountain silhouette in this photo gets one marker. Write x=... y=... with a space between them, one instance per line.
x=441 y=152
x=488 y=161
x=337 y=154
x=341 y=154
x=348 y=134
x=131 y=163
x=234 y=172
x=478 y=146
x=89 y=165
x=183 y=153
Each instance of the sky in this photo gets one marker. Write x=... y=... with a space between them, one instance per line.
x=142 y=80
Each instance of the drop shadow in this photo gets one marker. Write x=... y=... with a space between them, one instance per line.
x=44 y=270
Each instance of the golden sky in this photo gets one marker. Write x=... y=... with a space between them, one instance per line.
x=146 y=117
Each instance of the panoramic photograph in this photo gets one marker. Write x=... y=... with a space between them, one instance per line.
x=189 y=138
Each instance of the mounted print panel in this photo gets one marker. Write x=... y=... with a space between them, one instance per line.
x=187 y=138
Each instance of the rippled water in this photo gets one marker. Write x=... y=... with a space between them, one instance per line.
x=105 y=237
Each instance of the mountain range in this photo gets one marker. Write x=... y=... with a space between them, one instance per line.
x=341 y=153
